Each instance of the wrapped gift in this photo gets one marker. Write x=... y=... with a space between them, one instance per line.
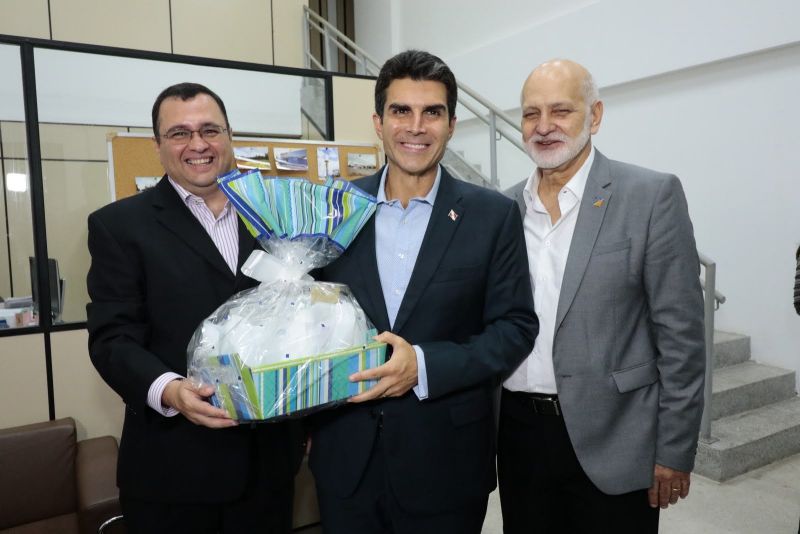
x=289 y=344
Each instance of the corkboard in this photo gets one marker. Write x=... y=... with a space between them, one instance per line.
x=133 y=156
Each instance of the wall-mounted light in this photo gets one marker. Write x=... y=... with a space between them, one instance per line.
x=16 y=182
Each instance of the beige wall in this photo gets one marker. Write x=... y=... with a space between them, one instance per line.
x=143 y=25
x=287 y=24
x=79 y=391
x=259 y=31
x=26 y=18
x=236 y=29
x=353 y=105
x=23 y=380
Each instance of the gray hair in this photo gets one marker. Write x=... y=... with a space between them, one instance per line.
x=591 y=93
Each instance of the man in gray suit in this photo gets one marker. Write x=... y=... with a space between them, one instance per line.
x=599 y=425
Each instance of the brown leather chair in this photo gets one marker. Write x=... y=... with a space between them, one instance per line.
x=52 y=483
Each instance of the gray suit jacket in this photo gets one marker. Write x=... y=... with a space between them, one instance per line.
x=629 y=351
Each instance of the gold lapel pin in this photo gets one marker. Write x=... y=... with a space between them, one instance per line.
x=598 y=202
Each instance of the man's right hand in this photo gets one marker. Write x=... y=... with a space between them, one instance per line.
x=191 y=402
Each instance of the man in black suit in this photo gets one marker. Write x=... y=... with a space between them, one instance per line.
x=441 y=271
x=162 y=261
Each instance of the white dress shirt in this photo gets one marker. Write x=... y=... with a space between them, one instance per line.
x=548 y=247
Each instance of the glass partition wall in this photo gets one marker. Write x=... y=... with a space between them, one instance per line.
x=59 y=105
x=16 y=220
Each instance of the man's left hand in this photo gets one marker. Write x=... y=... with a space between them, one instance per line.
x=395 y=377
x=668 y=485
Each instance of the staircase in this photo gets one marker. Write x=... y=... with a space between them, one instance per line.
x=754 y=409
x=463 y=170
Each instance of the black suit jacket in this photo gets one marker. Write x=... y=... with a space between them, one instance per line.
x=155 y=275
x=468 y=306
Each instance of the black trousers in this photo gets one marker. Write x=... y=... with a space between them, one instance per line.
x=374 y=509
x=256 y=512
x=264 y=508
x=543 y=488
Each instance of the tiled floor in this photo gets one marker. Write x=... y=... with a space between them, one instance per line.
x=765 y=501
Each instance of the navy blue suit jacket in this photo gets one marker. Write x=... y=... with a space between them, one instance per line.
x=469 y=306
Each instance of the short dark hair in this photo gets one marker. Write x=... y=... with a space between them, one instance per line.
x=417 y=65
x=185 y=91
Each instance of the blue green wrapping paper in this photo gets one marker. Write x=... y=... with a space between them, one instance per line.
x=285 y=389
x=279 y=207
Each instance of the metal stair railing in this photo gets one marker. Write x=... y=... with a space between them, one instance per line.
x=508 y=128
x=712 y=300
x=500 y=124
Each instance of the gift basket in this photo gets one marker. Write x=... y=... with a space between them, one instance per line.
x=289 y=344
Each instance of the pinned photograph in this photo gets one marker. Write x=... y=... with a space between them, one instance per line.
x=359 y=164
x=252 y=157
x=146 y=182
x=291 y=159
x=328 y=162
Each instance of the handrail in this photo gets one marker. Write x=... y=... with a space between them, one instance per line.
x=711 y=300
x=488 y=105
x=705 y=261
x=718 y=297
x=328 y=28
x=489 y=114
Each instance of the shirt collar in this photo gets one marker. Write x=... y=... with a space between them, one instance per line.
x=188 y=197
x=576 y=184
x=429 y=198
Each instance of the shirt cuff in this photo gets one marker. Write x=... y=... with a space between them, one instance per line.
x=421 y=389
x=156 y=391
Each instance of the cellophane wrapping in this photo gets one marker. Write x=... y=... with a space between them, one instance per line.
x=288 y=345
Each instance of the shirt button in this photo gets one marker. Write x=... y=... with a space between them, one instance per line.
x=397 y=292
x=547 y=243
x=401 y=256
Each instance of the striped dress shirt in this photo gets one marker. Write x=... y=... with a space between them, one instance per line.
x=224 y=232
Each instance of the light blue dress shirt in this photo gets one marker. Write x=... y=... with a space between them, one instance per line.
x=398 y=236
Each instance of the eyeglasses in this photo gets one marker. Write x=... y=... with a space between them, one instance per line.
x=179 y=136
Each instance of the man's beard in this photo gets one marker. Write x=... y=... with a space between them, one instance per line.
x=568 y=151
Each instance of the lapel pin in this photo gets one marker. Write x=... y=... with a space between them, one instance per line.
x=453 y=215
x=597 y=202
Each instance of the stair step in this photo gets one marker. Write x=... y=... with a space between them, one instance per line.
x=750 y=440
x=747 y=386
x=730 y=349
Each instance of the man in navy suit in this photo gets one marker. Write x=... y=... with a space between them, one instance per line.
x=162 y=261
x=441 y=271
